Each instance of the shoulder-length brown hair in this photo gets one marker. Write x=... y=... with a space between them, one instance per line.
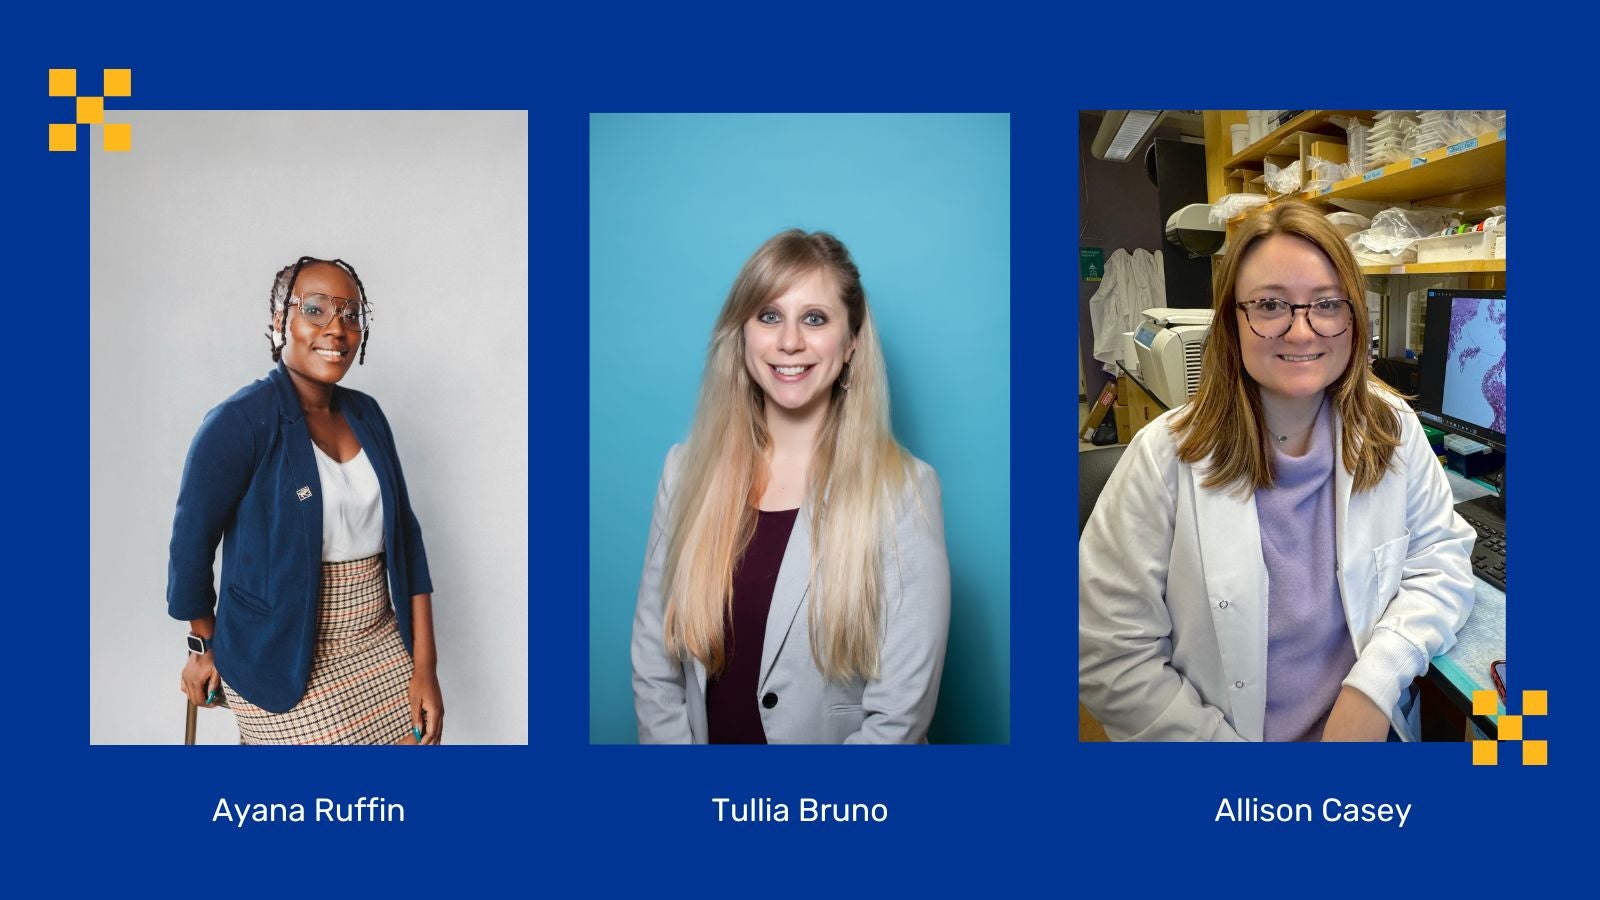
x=1223 y=422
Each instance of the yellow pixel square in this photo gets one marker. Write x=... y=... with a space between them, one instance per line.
x=118 y=83
x=117 y=136
x=1536 y=703
x=1485 y=703
x=1535 y=753
x=1485 y=753
x=1510 y=728
x=63 y=82
x=91 y=110
x=63 y=138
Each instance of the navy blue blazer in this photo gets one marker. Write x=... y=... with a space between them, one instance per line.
x=250 y=481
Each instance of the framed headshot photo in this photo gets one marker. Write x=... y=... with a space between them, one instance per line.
x=308 y=404
x=799 y=428
x=1292 y=515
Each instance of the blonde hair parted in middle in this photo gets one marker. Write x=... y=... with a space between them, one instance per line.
x=1224 y=420
x=857 y=472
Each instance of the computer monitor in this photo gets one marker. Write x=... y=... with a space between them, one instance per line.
x=1461 y=383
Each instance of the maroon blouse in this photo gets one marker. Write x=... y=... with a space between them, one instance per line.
x=733 y=712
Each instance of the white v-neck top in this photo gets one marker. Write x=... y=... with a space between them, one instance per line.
x=352 y=508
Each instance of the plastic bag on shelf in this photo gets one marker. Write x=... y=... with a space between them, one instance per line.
x=1324 y=173
x=1230 y=206
x=1395 y=229
x=1285 y=180
x=1348 y=222
x=1368 y=257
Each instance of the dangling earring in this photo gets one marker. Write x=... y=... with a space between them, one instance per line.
x=844 y=378
x=277 y=340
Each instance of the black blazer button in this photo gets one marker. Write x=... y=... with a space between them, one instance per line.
x=770 y=700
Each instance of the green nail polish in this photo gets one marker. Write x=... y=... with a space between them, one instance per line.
x=417 y=733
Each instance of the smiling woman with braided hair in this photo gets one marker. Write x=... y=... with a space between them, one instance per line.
x=322 y=632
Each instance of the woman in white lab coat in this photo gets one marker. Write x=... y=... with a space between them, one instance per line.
x=1279 y=558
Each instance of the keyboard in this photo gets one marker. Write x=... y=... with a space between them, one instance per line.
x=1489 y=553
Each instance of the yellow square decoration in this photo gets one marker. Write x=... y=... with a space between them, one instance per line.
x=1536 y=703
x=1485 y=753
x=118 y=83
x=1510 y=728
x=91 y=110
x=118 y=136
x=63 y=138
x=63 y=82
x=1535 y=753
x=1485 y=703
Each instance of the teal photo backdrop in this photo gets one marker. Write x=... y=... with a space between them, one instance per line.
x=676 y=205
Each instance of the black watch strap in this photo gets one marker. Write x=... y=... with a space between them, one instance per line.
x=198 y=644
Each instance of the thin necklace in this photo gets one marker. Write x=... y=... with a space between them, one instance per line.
x=1283 y=438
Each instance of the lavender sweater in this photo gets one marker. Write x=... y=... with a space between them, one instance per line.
x=1309 y=650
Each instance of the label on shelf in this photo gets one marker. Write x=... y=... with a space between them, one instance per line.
x=1325 y=189
x=1468 y=144
x=1502 y=134
x=1397 y=270
x=1418 y=161
x=1375 y=173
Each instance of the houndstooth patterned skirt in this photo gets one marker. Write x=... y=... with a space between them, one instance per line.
x=359 y=673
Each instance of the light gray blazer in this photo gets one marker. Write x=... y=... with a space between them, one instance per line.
x=669 y=691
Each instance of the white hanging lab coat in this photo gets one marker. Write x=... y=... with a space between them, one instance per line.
x=1132 y=283
x=1172 y=586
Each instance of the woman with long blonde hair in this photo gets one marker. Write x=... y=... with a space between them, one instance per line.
x=1279 y=558
x=795 y=587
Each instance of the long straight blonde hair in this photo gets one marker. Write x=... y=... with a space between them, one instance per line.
x=857 y=472
x=1224 y=420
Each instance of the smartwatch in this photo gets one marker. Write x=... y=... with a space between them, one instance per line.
x=198 y=644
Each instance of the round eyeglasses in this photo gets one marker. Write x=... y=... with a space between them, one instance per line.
x=319 y=310
x=1328 y=317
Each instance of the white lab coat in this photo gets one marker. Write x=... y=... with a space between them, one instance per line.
x=1132 y=283
x=1172 y=615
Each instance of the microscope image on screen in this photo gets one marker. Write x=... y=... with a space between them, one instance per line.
x=1475 y=386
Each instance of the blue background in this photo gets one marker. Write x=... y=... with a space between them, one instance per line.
x=677 y=203
x=1043 y=812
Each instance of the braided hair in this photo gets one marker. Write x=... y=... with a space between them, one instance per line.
x=283 y=287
